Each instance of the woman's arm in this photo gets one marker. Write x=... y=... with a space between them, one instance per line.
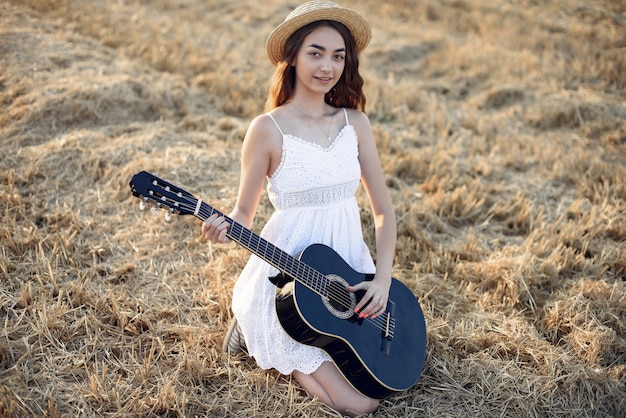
x=258 y=153
x=384 y=219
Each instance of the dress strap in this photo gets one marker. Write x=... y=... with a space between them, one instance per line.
x=345 y=112
x=276 y=123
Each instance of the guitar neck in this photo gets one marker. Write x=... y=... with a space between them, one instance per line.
x=265 y=250
x=148 y=187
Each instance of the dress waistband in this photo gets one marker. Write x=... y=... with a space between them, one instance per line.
x=317 y=197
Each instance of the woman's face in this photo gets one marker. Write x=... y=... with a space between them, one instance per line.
x=320 y=61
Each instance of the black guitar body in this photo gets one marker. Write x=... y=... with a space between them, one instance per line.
x=377 y=356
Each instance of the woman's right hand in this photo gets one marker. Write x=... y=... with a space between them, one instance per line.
x=215 y=227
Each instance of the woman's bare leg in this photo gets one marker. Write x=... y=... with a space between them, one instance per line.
x=330 y=387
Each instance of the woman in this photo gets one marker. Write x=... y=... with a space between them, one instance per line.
x=314 y=146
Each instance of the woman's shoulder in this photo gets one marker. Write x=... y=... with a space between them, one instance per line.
x=359 y=120
x=261 y=128
x=263 y=136
x=262 y=123
x=356 y=117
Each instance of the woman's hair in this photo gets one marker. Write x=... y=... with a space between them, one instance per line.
x=348 y=92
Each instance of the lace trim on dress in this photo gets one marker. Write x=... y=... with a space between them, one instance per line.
x=328 y=148
x=322 y=196
x=283 y=156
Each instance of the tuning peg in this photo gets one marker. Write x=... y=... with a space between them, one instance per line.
x=155 y=209
x=168 y=216
x=142 y=205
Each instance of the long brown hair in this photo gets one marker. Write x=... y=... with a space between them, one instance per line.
x=348 y=92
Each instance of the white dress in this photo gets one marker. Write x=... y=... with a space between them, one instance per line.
x=312 y=191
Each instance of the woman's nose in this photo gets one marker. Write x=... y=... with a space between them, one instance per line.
x=326 y=65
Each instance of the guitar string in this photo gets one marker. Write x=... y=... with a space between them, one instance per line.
x=385 y=322
x=339 y=296
x=289 y=264
x=380 y=322
x=319 y=283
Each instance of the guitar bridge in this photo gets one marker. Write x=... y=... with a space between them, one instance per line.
x=388 y=329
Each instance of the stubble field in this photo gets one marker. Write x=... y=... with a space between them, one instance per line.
x=502 y=131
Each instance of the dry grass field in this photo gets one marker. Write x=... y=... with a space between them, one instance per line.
x=502 y=130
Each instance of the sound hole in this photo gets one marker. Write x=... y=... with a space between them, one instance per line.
x=338 y=300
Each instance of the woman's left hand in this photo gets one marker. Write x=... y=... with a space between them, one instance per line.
x=374 y=301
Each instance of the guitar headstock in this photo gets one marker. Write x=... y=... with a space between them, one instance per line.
x=164 y=195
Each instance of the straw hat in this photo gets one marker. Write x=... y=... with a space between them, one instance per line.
x=313 y=11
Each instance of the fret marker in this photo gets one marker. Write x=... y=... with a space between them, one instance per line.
x=195 y=212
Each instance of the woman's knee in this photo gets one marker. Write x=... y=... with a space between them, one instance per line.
x=363 y=406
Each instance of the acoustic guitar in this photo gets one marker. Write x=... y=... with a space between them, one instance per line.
x=378 y=356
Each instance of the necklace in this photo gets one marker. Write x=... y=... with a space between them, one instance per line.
x=325 y=132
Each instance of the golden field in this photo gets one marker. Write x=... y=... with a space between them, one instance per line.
x=501 y=126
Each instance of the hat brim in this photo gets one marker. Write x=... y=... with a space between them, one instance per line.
x=356 y=24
